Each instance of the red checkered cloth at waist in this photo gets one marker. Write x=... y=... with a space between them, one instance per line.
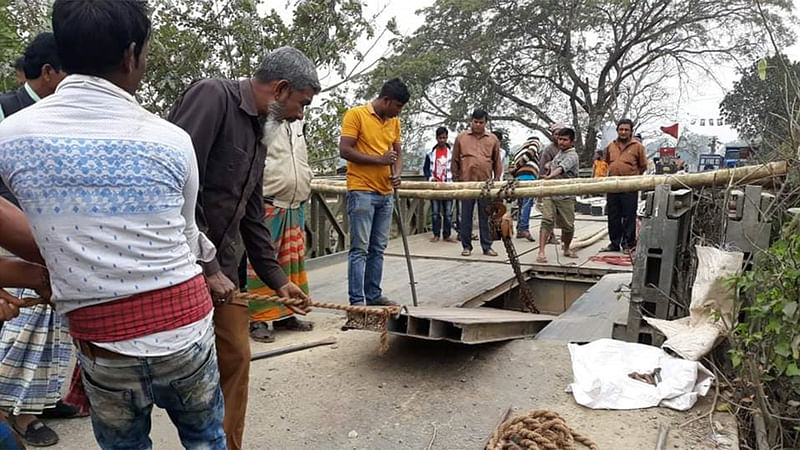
x=142 y=314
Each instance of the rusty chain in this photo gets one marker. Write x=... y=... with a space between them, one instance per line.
x=495 y=211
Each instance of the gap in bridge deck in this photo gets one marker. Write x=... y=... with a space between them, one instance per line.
x=447 y=279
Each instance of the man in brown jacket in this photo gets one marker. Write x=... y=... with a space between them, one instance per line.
x=625 y=157
x=226 y=119
x=476 y=157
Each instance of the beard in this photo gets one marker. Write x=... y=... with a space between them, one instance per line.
x=275 y=113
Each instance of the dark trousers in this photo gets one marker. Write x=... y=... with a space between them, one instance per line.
x=621 y=210
x=465 y=231
x=440 y=209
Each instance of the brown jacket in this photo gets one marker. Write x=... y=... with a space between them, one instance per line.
x=625 y=160
x=226 y=130
x=476 y=158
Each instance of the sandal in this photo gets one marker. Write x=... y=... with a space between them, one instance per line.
x=63 y=411
x=570 y=254
x=293 y=324
x=38 y=434
x=260 y=332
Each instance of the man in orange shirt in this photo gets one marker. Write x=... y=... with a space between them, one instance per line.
x=370 y=143
x=625 y=157
x=600 y=165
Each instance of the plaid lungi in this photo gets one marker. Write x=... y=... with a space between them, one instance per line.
x=35 y=350
x=288 y=232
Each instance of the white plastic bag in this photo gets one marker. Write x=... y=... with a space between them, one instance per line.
x=601 y=380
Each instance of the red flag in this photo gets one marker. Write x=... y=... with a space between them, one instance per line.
x=671 y=130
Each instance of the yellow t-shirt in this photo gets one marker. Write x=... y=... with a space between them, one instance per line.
x=373 y=137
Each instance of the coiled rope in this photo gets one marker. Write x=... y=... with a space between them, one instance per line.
x=537 y=430
x=382 y=313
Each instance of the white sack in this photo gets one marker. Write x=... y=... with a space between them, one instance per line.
x=711 y=310
x=600 y=370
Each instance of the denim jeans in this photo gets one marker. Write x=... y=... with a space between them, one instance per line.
x=122 y=393
x=441 y=209
x=467 y=208
x=525 y=205
x=370 y=217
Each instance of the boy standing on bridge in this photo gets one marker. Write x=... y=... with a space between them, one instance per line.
x=560 y=210
x=437 y=168
x=370 y=143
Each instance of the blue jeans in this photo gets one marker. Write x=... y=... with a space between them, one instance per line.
x=525 y=205
x=441 y=209
x=122 y=393
x=370 y=217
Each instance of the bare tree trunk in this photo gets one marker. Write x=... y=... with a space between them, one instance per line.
x=590 y=146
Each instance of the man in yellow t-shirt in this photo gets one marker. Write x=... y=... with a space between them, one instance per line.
x=370 y=143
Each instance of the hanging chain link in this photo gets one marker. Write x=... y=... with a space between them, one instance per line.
x=496 y=211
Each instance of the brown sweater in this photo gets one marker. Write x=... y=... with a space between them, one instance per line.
x=627 y=159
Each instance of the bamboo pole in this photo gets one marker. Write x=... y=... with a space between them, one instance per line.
x=779 y=168
x=735 y=176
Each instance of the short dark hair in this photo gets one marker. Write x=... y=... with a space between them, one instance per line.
x=568 y=132
x=499 y=135
x=395 y=89
x=625 y=122
x=41 y=51
x=19 y=63
x=93 y=35
x=440 y=131
x=480 y=114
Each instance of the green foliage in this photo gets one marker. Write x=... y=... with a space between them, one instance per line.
x=195 y=39
x=324 y=124
x=19 y=22
x=760 y=109
x=769 y=335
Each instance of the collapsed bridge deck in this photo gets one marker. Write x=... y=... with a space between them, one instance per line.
x=451 y=286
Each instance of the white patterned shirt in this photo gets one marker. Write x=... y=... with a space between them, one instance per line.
x=109 y=190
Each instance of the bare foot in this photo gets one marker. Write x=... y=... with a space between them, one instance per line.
x=541 y=258
x=435 y=239
x=570 y=253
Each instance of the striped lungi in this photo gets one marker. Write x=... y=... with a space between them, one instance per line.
x=288 y=231
x=35 y=349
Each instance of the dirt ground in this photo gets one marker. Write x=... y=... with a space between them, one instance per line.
x=420 y=395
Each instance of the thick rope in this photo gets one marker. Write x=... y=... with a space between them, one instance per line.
x=537 y=430
x=384 y=313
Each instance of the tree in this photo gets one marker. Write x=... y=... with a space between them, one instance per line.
x=194 y=39
x=761 y=110
x=538 y=62
x=19 y=23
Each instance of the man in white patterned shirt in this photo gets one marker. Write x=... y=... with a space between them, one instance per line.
x=110 y=190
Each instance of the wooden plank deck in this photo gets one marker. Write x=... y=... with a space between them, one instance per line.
x=445 y=278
